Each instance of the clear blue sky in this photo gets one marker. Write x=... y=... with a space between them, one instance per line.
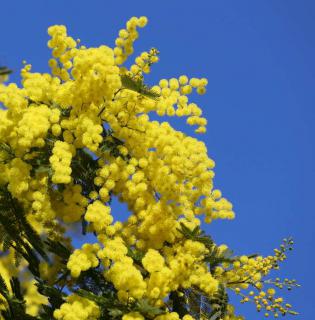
x=259 y=59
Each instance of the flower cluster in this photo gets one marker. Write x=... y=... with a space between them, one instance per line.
x=73 y=203
x=98 y=214
x=127 y=279
x=77 y=308
x=33 y=127
x=83 y=259
x=246 y=272
x=124 y=43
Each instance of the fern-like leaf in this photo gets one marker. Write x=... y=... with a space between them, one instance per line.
x=137 y=85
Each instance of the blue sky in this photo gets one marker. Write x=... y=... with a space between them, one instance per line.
x=259 y=59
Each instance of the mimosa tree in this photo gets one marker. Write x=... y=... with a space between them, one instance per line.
x=73 y=139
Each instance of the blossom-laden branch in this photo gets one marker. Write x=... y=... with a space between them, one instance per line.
x=75 y=139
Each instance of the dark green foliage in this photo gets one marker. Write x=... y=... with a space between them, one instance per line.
x=93 y=281
x=15 y=302
x=193 y=299
x=55 y=295
x=3 y=287
x=215 y=257
x=214 y=308
x=58 y=249
x=135 y=254
x=218 y=304
x=16 y=232
x=16 y=288
x=5 y=71
x=8 y=151
x=110 y=144
x=83 y=171
x=178 y=303
x=41 y=163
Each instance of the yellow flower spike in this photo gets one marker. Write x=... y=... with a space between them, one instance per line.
x=60 y=162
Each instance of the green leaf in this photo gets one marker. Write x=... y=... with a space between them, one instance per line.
x=16 y=288
x=43 y=168
x=115 y=312
x=135 y=254
x=3 y=286
x=216 y=316
x=91 y=296
x=58 y=249
x=137 y=85
x=55 y=296
x=144 y=307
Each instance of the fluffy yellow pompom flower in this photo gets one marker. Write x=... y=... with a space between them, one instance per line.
x=19 y=177
x=61 y=161
x=33 y=127
x=99 y=215
x=153 y=261
x=83 y=259
x=127 y=279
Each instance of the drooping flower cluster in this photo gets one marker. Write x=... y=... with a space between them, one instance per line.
x=70 y=142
